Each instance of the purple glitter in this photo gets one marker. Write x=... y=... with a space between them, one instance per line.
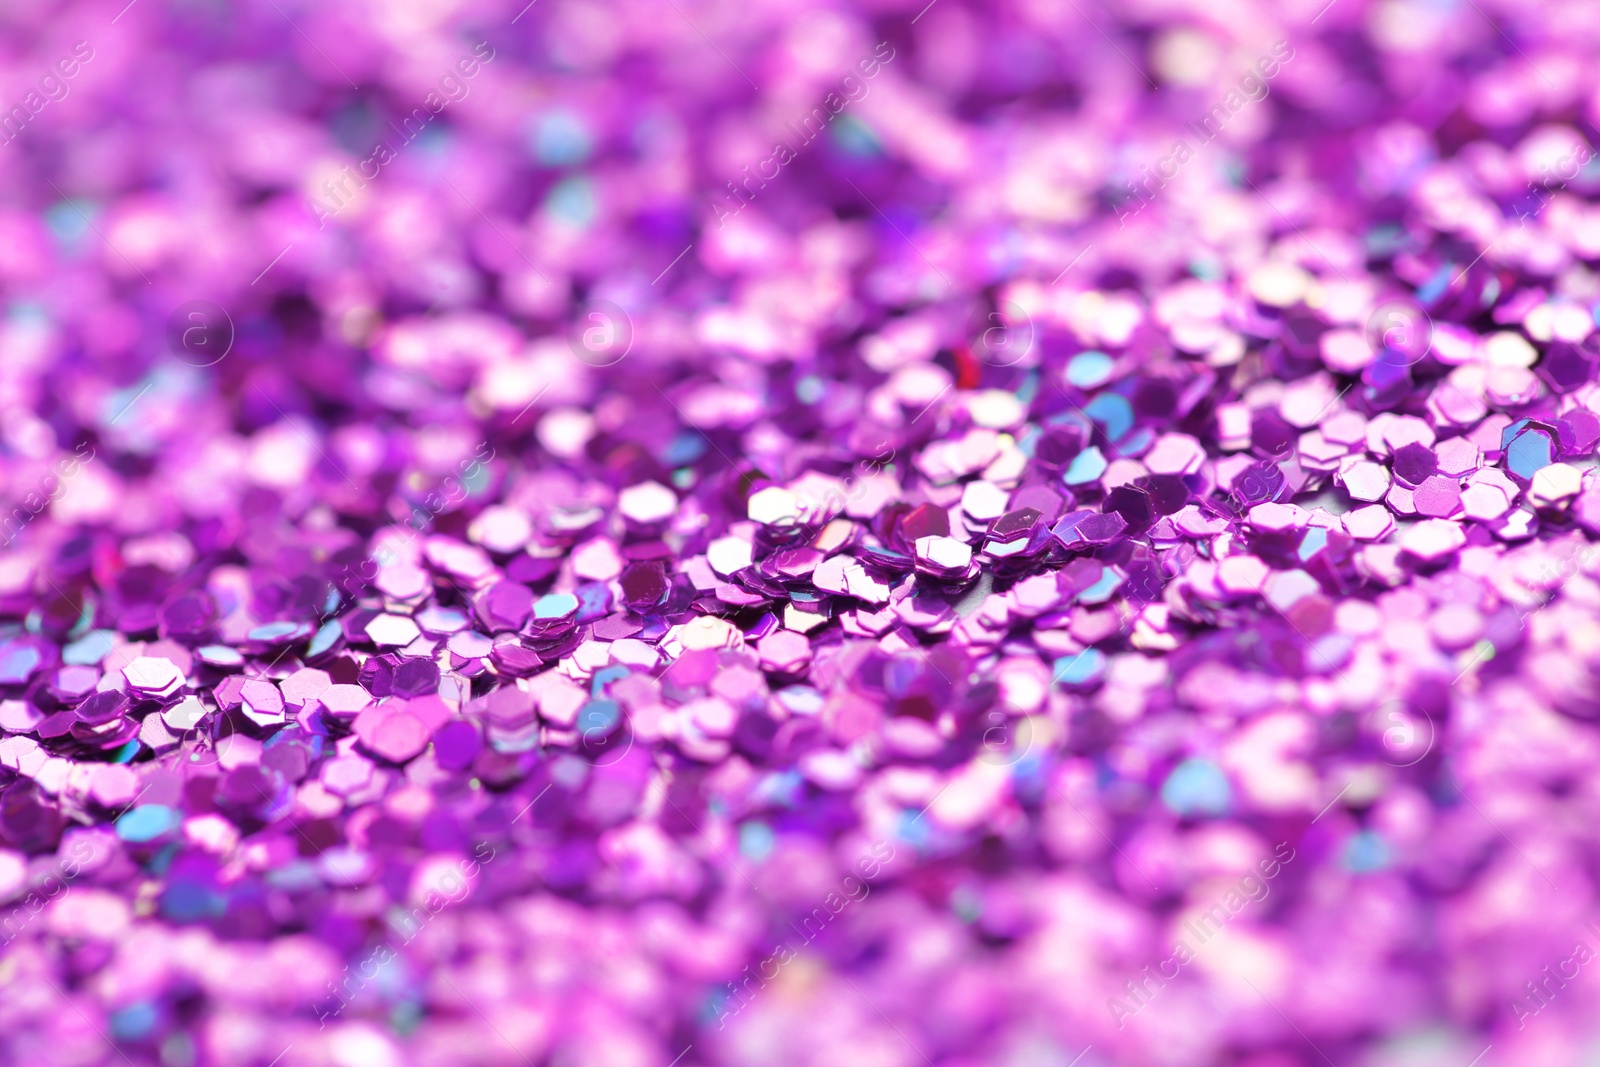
x=887 y=533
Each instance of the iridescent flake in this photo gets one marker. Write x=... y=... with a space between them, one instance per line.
x=1085 y=528
x=1437 y=497
x=1528 y=448
x=392 y=631
x=1414 y=463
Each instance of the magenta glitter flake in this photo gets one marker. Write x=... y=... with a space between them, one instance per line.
x=859 y=534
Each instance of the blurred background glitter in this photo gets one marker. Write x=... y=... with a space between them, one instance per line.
x=680 y=533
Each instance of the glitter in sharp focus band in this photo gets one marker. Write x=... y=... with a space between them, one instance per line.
x=748 y=546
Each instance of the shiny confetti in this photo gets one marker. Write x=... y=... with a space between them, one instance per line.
x=879 y=534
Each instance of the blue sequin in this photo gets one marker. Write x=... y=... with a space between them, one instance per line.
x=134 y=1022
x=1366 y=852
x=560 y=139
x=1029 y=387
x=185 y=901
x=1102 y=590
x=17 y=663
x=684 y=449
x=1529 y=453
x=594 y=601
x=88 y=650
x=1087 y=666
x=222 y=655
x=801 y=700
x=598 y=718
x=326 y=636
x=1112 y=411
x=69 y=220
x=572 y=202
x=856 y=137
x=1136 y=442
x=1089 y=369
x=1435 y=287
x=756 y=841
x=1313 y=542
x=277 y=631
x=555 y=606
x=1509 y=434
x=296 y=876
x=1196 y=786
x=1087 y=466
x=604 y=677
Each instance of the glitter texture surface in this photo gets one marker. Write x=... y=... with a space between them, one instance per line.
x=864 y=534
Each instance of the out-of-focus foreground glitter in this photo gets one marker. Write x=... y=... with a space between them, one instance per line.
x=617 y=533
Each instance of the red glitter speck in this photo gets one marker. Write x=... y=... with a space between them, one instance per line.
x=968 y=372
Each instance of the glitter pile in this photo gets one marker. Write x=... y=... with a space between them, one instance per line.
x=597 y=533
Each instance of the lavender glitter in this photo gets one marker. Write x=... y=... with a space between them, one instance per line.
x=977 y=586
